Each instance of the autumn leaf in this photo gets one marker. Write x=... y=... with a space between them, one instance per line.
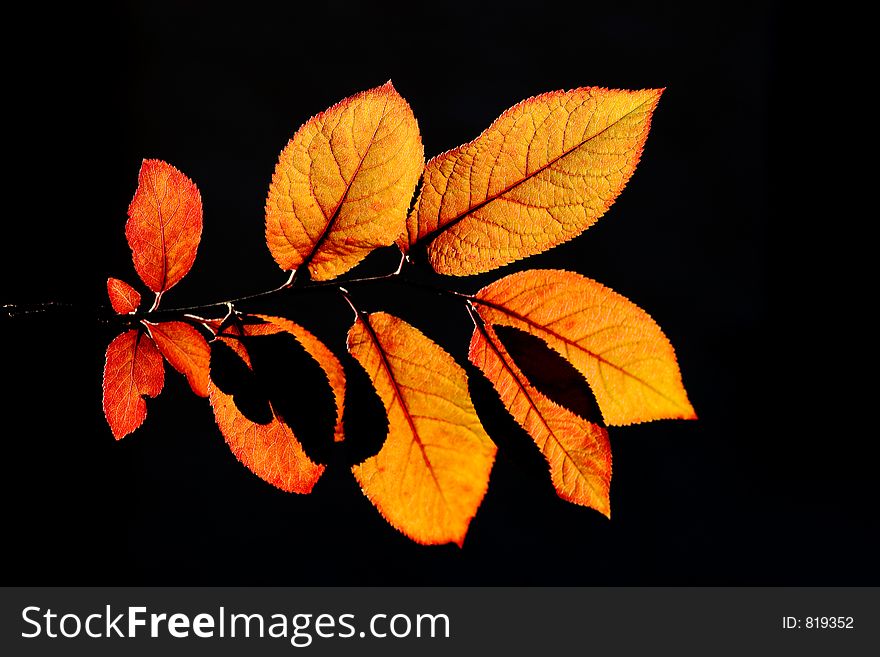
x=164 y=225
x=185 y=350
x=432 y=472
x=272 y=451
x=343 y=184
x=540 y=175
x=123 y=297
x=133 y=370
x=577 y=451
x=622 y=353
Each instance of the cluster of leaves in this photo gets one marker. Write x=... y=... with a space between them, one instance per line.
x=540 y=175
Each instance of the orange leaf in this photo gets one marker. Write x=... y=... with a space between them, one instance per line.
x=619 y=349
x=540 y=175
x=164 y=225
x=133 y=370
x=433 y=470
x=343 y=184
x=123 y=297
x=186 y=350
x=577 y=451
x=272 y=451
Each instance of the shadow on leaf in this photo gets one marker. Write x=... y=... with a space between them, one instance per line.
x=284 y=379
x=364 y=419
x=550 y=373
x=232 y=376
x=511 y=439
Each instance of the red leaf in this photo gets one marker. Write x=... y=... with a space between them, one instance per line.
x=123 y=297
x=133 y=369
x=186 y=350
x=164 y=225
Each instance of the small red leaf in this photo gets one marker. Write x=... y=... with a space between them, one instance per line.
x=123 y=297
x=133 y=369
x=164 y=225
x=186 y=350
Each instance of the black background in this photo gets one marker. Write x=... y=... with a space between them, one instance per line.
x=771 y=486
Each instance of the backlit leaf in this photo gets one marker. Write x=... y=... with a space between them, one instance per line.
x=343 y=184
x=133 y=370
x=540 y=175
x=164 y=225
x=577 y=451
x=622 y=353
x=272 y=451
x=432 y=472
x=123 y=297
x=186 y=350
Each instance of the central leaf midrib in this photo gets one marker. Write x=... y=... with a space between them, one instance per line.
x=386 y=365
x=507 y=366
x=331 y=221
x=160 y=224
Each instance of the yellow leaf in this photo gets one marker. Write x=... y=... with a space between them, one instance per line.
x=577 y=451
x=620 y=350
x=432 y=472
x=540 y=175
x=343 y=184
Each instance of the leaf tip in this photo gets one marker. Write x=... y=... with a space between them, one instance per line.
x=150 y=165
x=687 y=411
x=657 y=93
